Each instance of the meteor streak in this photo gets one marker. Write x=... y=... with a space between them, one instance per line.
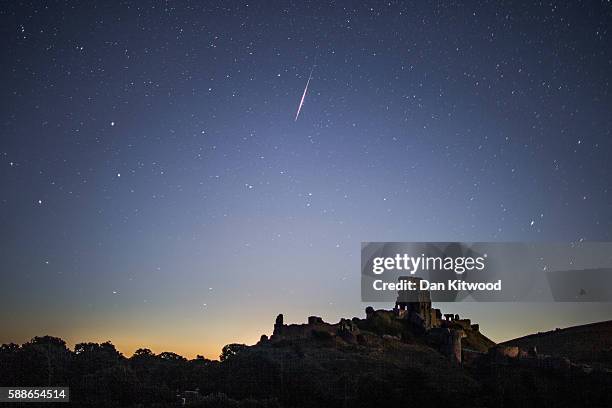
x=304 y=94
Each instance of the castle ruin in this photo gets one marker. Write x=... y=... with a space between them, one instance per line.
x=413 y=309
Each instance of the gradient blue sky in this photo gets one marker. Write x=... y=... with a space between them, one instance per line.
x=156 y=190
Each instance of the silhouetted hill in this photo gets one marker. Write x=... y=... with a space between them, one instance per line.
x=328 y=371
x=589 y=343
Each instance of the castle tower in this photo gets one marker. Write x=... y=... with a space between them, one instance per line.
x=415 y=305
x=278 y=326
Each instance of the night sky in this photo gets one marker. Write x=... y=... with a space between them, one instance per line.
x=156 y=189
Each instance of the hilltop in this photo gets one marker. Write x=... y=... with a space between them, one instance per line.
x=588 y=343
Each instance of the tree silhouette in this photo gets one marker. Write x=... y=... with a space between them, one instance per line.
x=230 y=350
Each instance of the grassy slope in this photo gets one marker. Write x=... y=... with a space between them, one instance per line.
x=589 y=343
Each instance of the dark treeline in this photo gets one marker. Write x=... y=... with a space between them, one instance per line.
x=99 y=375
x=316 y=372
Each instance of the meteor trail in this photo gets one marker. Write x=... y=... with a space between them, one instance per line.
x=304 y=94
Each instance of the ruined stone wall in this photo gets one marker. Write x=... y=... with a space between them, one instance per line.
x=301 y=331
x=447 y=341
